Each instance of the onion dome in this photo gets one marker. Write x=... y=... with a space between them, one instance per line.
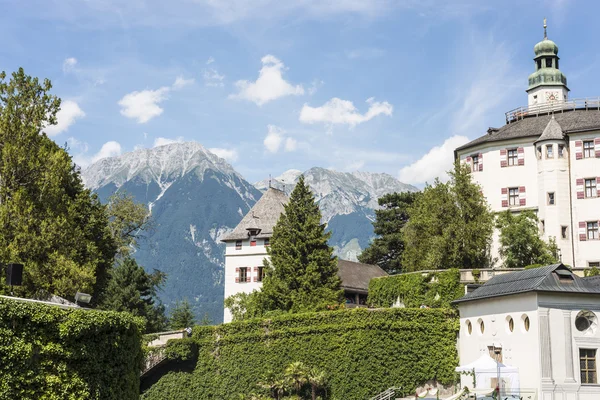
x=545 y=48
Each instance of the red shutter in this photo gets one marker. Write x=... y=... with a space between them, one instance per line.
x=253 y=243
x=578 y=149
x=504 y=193
x=480 y=161
x=579 y=188
x=503 y=161
x=521 y=155
x=597 y=147
x=248 y=277
x=469 y=159
x=255 y=269
x=237 y=279
x=583 y=231
x=255 y=279
x=237 y=270
x=522 y=198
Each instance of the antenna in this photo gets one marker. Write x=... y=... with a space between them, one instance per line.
x=545 y=26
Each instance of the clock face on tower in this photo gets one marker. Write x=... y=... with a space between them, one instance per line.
x=551 y=96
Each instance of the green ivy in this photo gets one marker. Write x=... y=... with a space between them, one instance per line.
x=362 y=352
x=50 y=353
x=435 y=289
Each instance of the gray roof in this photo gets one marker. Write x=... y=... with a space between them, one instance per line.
x=543 y=279
x=552 y=131
x=356 y=276
x=263 y=216
x=533 y=126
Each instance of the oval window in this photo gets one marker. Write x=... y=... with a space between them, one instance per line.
x=469 y=327
x=511 y=324
x=585 y=321
x=526 y=324
x=481 y=326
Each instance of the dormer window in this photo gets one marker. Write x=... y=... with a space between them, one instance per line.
x=253 y=231
x=564 y=275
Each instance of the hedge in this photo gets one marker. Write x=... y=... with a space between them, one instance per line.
x=362 y=352
x=47 y=352
x=434 y=289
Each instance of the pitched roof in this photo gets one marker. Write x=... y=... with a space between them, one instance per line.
x=552 y=131
x=356 y=276
x=263 y=216
x=533 y=126
x=551 y=278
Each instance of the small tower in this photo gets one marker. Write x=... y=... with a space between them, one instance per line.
x=547 y=85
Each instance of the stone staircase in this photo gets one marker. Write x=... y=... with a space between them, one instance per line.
x=388 y=394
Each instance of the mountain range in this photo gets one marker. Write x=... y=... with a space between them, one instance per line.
x=195 y=198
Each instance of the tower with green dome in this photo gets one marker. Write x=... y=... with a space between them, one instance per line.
x=547 y=85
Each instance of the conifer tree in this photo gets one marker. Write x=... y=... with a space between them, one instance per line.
x=182 y=316
x=302 y=271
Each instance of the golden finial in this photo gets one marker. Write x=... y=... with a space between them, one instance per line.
x=545 y=26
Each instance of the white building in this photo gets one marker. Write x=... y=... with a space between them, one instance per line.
x=542 y=321
x=246 y=248
x=546 y=159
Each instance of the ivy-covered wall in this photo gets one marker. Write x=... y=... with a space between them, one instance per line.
x=435 y=289
x=49 y=353
x=362 y=352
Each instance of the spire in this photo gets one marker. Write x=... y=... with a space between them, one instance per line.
x=545 y=33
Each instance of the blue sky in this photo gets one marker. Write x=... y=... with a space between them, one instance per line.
x=382 y=85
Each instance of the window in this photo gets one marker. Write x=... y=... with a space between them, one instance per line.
x=549 y=151
x=590 y=188
x=253 y=242
x=550 y=198
x=588 y=149
x=556 y=63
x=475 y=163
x=594 y=264
x=511 y=324
x=513 y=157
x=261 y=274
x=592 y=230
x=587 y=361
x=513 y=196
x=526 y=323
x=267 y=242
x=564 y=232
x=243 y=277
x=481 y=326
x=586 y=321
x=539 y=65
x=469 y=327
x=561 y=151
x=539 y=152
x=549 y=62
x=238 y=244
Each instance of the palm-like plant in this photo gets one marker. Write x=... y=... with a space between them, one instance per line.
x=317 y=380
x=296 y=374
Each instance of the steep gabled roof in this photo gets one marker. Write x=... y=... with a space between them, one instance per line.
x=356 y=276
x=263 y=216
x=551 y=278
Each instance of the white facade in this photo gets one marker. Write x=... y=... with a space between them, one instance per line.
x=547 y=353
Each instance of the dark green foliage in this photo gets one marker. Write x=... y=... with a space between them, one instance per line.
x=361 y=352
x=48 y=220
x=132 y=289
x=50 y=353
x=594 y=271
x=450 y=226
x=302 y=271
x=386 y=249
x=181 y=350
x=182 y=316
x=436 y=289
x=520 y=241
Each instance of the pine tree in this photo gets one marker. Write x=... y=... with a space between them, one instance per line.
x=182 y=316
x=386 y=249
x=133 y=290
x=48 y=220
x=450 y=226
x=302 y=271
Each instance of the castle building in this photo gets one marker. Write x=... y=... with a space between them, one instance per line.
x=546 y=158
x=246 y=248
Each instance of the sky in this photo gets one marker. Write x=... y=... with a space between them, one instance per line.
x=372 y=85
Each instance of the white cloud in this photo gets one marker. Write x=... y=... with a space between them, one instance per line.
x=274 y=138
x=355 y=166
x=210 y=60
x=270 y=84
x=230 y=155
x=181 y=82
x=69 y=64
x=290 y=144
x=144 y=105
x=69 y=112
x=75 y=144
x=108 y=149
x=338 y=111
x=434 y=164
x=213 y=78
x=161 y=141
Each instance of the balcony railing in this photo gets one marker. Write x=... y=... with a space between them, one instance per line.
x=588 y=103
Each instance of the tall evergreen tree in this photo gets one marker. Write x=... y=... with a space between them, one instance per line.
x=386 y=249
x=48 y=220
x=302 y=271
x=520 y=241
x=182 y=315
x=450 y=226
